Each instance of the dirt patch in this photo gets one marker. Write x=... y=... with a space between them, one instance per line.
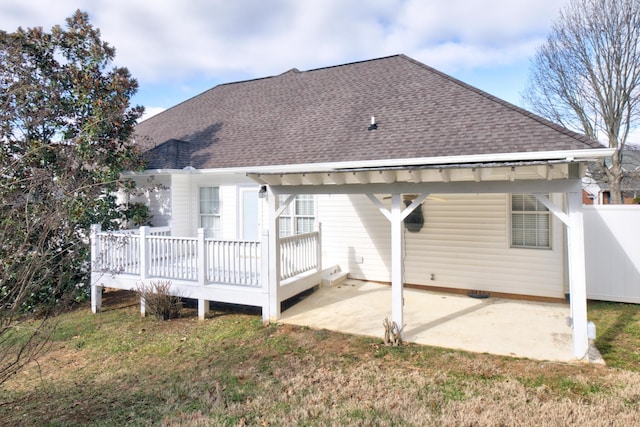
x=114 y=299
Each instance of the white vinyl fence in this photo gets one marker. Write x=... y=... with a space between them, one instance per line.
x=612 y=249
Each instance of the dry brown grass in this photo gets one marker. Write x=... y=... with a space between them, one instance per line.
x=117 y=369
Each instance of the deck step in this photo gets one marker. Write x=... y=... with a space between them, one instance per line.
x=335 y=278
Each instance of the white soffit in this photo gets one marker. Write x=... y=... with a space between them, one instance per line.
x=424 y=175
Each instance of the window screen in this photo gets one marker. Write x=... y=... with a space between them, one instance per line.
x=210 y=211
x=299 y=217
x=530 y=222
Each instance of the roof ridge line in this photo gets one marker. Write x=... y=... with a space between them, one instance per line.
x=294 y=69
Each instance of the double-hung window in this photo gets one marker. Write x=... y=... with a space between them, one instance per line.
x=210 y=212
x=299 y=217
x=530 y=222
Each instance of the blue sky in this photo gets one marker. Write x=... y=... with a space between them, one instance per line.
x=178 y=49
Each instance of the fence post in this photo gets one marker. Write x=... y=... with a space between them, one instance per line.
x=96 y=289
x=319 y=248
x=144 y=253
x=144 y=263
x=203 y=304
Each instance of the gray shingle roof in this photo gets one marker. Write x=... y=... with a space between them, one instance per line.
x=322 y=116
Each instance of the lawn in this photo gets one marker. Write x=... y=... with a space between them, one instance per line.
x=116 y=368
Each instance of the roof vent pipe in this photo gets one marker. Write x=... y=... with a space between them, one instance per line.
x=373 y=125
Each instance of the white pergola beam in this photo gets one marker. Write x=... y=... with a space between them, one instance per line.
x=573 y=219
x=285 y=205
x=337 y=178
x=362 y=177
x=491 y=187
x=380 y=206
x=388 y=177
x=552 y=208
x=416 y=202
x=477 y=174
x=312 y=178
x=396 y=216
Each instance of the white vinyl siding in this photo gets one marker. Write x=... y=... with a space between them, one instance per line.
x=181 y=199
x=465 y=244
x=156 y=194
x=228 y=207
x=530 y=222
x=299 y=217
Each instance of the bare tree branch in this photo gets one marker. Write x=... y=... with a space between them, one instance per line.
x=586 y=76
x=65 y=138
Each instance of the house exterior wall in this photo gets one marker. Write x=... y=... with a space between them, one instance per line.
x=181 y=205
x=464 y=244
x=178 y=203
x=157 y=195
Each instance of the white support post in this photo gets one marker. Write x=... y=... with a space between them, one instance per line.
x=264 y=276
x=577 y=273
x=397 y=297
x=143 y=307
x=203 y=304
x=396 y=216
x=319 y=251
x=96 y=289
x=144 y=263
x=96 y=298
x=274 y=257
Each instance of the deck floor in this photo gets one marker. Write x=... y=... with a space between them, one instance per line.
x=499 y=326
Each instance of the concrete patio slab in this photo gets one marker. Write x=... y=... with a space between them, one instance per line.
x=534 y=330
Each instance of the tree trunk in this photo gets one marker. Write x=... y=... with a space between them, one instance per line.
x=615 y=182
x=615 y=187
x=613 y=175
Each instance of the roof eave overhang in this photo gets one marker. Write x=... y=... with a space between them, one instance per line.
x=568 y=156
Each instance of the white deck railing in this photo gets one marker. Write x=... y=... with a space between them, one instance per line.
x=119 y=253
x=230 y=261
x=153 y=253
x=172 y=257
x=299 y=254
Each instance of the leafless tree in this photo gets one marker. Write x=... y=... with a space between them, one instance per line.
x=586 y=76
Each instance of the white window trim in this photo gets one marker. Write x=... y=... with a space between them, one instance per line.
x=209 y=233
x=545 y=212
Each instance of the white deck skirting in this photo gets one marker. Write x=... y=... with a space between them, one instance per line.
x=203 y=269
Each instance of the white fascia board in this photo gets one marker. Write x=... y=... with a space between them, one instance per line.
x=146 y=172
x=565 y=155
x=562 y=155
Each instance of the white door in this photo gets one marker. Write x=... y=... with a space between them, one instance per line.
x=249 y=214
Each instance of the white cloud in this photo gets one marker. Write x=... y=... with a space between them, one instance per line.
x=222 y=40
x=163 y=38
